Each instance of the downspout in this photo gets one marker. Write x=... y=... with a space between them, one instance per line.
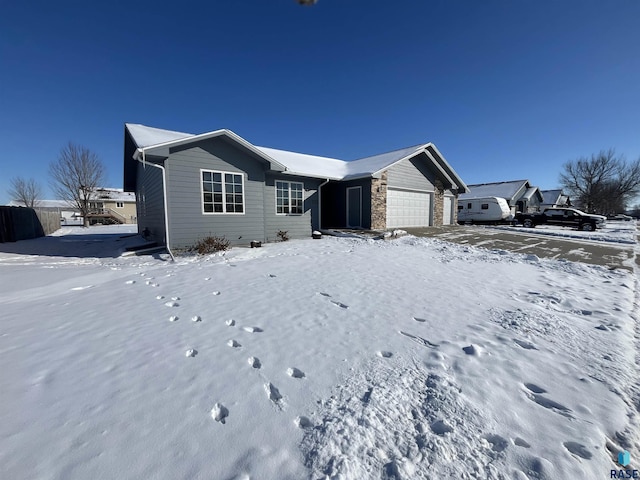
x=164 y=196
x=320 y=203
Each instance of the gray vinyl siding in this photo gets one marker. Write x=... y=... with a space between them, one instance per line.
x=296 y=226
x=187 y=221
x=413 y=173
x=150 y=202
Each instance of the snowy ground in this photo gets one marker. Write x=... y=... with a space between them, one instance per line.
x=333 y=358
x=613 y=232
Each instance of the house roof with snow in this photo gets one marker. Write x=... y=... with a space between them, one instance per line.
x=554 y=197
x=157 y=141
x=511 y=190
x=113 y=195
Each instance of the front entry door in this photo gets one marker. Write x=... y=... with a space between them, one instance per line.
x=354 y=207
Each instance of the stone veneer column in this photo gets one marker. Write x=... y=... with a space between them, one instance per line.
x=438 y=203
x=379 y=202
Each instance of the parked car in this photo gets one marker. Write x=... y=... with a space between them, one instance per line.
x=621 y=216
x=484 y=210
x=565 y=217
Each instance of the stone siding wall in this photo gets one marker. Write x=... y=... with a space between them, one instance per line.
x=379 y=202
x=438 y=204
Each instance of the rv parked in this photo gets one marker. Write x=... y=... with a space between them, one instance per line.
x=484 y=210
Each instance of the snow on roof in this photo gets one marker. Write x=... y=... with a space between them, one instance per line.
x=146 y=136
x=378 y=162
x=295 y=163
x=308 y=165
x=114 y=194
x=551 y=196
x=505 y=190
x=44 y=204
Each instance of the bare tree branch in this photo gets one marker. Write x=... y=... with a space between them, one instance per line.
x=76 y=175
x=604 y=183
x=26 y=191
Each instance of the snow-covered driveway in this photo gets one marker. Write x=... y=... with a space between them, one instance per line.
x=336 y=358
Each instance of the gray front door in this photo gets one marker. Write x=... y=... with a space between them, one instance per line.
x=354 y=207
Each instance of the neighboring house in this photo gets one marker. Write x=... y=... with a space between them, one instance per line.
x=217 y=183
x=112 y=205
x=519 y=194
x=554 y=199
x=68 y=214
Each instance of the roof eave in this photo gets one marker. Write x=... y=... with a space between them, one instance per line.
x=205 y=136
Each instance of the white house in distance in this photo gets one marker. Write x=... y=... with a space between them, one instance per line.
x=554 y=199
x=519 y=194
x=112 y=205
x=107 y=205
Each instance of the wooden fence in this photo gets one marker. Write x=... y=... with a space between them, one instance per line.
x=21 y=223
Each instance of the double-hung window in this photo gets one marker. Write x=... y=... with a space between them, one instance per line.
x=289 y=198
x=222 y=192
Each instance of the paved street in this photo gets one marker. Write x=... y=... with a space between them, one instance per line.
x=612 y=255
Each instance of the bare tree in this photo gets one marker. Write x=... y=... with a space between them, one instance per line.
x=75 y=176
x=604 y=183
x=26 y=191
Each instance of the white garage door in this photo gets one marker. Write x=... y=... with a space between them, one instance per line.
x=408 y=209
x=447 y=211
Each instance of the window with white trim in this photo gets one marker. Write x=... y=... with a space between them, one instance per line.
x=289 y=198
x=119 y=204
x=222 y=192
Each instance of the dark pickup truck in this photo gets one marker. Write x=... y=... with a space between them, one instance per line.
x=565 y=217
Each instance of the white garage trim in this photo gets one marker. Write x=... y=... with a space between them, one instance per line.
x=447 y=210
x=409 y=208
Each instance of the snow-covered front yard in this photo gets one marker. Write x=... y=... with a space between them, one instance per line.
x=332 y=358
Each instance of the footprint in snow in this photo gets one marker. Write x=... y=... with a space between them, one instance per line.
x=295 y=372
x=255 y=362
x=534 y=388
x=252 y=329
x=196 y=318
x=385 y=354
x=215 y=293
x=339 y=304
x=440 y=427
x=303 y=422
x=272 y=275
x=191 y=352
x=274 y=394
x=173 y=318
x=525 y=345
x=208 y=278
x=578 y=449
x=230 y=323
x=130 y=282
x=219 y=413
x=159 y=297
x=172 y=304
x=421 y=320
x=521 y=443
x=324 y=294
x=233 y=343
x=498 y=443
x=175 y=299
x=419 y=340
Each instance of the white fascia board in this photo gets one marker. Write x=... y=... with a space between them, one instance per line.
x=205 y=136
x=458 y=181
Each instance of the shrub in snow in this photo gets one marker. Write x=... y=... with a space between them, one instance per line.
x=211 y=244
x=283 y=235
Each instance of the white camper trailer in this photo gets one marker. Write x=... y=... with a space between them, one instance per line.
x=484 y=210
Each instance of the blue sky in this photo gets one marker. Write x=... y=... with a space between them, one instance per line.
x=505 y=89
